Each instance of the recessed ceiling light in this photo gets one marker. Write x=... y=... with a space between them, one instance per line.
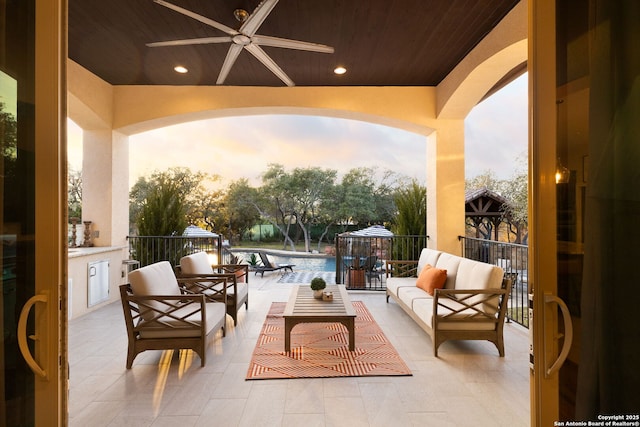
x=180 y=69
x=340 y=70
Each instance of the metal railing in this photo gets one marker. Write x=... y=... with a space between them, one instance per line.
x=514 y=260
x=361 y=260
x=150 y=249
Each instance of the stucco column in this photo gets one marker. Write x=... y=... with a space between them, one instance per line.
x=105 y=186
x=445 y=186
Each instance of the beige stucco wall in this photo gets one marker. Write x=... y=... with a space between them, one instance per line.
x=142 y=108
x=498 y=53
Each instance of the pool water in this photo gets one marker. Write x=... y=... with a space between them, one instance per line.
x=302 y=263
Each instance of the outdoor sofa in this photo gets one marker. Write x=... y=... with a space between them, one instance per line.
x=450 y=297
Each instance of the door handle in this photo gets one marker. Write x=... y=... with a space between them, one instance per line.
x=568 y=334
x=22 y=334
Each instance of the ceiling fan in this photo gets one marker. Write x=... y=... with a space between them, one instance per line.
x=245 y=37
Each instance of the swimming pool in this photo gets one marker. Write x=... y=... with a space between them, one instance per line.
x=302 y=263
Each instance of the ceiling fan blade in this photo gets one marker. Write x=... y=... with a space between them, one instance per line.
x=204 y=40
x=229 y=60
x=260 y=54
x=290 y=44
x=258 y=16
x=204 y=20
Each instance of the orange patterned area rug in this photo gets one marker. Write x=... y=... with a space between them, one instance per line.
x=321 y=350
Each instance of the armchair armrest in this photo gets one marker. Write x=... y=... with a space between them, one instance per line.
x=240 y=270
x=471 y=304
x=402 y=268
x=178 y=313
x=212 y=286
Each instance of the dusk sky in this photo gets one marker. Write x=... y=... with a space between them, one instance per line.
x=236 y=147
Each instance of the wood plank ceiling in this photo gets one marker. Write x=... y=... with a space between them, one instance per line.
x=380 y=42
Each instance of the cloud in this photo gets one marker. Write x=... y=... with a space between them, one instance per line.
x=496 y=135
x=244 y=146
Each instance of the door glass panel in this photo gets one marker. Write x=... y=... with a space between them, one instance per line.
x=598 y=203
x=17 y=205
x=572 y=102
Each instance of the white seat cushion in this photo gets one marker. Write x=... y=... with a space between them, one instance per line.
x=215 y=317
x=409 y=295
x=393 y=283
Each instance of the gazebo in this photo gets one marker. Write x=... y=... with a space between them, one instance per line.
x=360 y=254
x=483 y=205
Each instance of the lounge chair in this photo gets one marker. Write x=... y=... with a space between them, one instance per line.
x=161 y=312
x=237 y=293
x=271 y=266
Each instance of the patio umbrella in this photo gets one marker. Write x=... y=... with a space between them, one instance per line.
x=373 y=231
x=194 y=231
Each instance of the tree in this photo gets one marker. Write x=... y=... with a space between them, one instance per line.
x=294 y=198
x=9 y=144
x=242 y=210
x=355 y=201
x=515 y=190
x=310 y=188
x=163 y=211
x=358 y=199
x=206 y=204
x=274 y=203
x=74 y=193
x=200 y=205
x=411 y=203
x=390 y=183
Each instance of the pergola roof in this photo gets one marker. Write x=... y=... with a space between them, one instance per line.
x=484 y=203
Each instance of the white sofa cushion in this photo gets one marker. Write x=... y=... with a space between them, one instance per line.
x=450 y=263
x=427 y=256
x=394 y=283
x=409 y=294
x=479 y=275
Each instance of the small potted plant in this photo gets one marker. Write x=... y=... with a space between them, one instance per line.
x=253 y=261
x=235 y=266
x=317 y=285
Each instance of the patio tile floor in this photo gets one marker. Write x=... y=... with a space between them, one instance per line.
x=467 y=385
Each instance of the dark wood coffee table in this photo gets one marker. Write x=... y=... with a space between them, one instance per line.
x=304 y=308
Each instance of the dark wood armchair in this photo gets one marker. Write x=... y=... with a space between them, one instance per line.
x=162 y=312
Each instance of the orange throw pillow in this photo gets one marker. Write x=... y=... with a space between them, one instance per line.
x=431 y=278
